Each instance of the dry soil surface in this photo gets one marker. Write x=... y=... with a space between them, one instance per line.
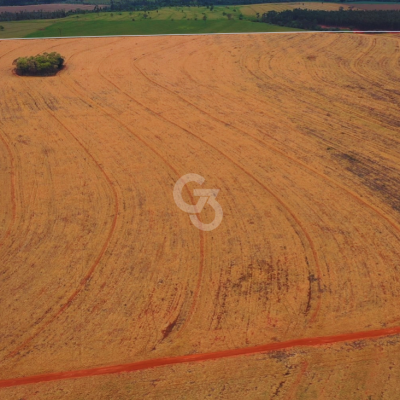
x=100 y=269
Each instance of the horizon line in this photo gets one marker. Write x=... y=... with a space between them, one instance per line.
x=193 y=34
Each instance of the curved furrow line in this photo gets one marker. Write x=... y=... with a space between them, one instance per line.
x=201 y=269
x=347 y=110
x=356 y=66
x=281 y=202
x=243 y=94
x=201 y=234
x=275 y=149
x=159 y=155
x=314 y=171
x=297 y=161
x=12 y=163
x=362 y=117
x=318 y=271
x=93 y=267
x=199 y=280
x=305 y=166
x=293 y=390
x=251 y=97
x=353 y=69
x=14 y=49
x=13 y=195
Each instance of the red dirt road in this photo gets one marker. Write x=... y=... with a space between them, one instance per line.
x=141 y=365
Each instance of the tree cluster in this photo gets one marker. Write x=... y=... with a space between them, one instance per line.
x=313 y=19
x=28 y=15
x=41 y=65
x=26 y=2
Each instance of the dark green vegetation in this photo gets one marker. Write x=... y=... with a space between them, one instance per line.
x=313 y=19
x=25 y=2
x=45 y=64
x=104 y=28
x=30 y=15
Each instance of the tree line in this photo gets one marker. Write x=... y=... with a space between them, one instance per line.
x=26 y=2
x=28 y=15
x=354 y=19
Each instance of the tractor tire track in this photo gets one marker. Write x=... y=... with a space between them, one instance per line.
x=158 y=154
x=93 y=267
x=292 y=215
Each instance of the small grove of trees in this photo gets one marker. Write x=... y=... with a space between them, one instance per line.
x=45 y=64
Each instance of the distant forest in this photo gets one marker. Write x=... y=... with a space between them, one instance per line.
x=26 y=2
x=123 y=4
x=353 y=19
x=27 y=15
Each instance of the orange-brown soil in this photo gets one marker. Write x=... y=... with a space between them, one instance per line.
x=100 y=268
x=378 y=6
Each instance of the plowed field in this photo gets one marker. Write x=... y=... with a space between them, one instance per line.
x=294 y=295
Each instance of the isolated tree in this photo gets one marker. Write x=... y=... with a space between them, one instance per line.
x=204 y=17
x=1 y=28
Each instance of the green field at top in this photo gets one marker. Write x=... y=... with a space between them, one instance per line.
x=167 y=20
x=20 y=29
x=163 y=14
x=154 y=28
